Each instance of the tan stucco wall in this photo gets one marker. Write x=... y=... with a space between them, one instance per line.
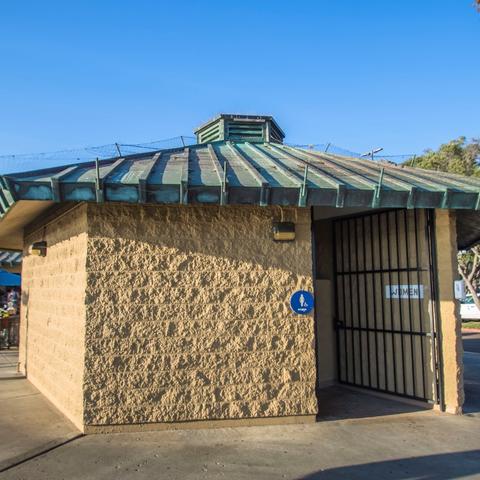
x=450 y=321
x=188 y=315
x=53 y=313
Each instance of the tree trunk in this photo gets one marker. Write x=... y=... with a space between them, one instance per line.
x=471 y=289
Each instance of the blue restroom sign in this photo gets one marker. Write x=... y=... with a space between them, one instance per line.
x=301 y=302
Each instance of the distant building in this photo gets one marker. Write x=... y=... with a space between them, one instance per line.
x=11 y=261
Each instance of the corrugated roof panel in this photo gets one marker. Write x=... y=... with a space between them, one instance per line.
x=473 y=182
x=120 y=174
x=244 y=173
x=273 y=174
x=439 y=181
x=83 y=174
x=316 y=176
x=201 y=169
x=350 y=178
x=238 y=174
x=168 y=169
x=392 y=177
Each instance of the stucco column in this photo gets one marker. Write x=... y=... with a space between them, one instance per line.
x=450 y=321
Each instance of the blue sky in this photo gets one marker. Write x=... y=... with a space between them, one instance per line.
x=402 y=75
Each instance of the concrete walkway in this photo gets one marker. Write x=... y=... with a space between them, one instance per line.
x=29 y=424
x=8 y=363
x=416 y=444
x=359 y=436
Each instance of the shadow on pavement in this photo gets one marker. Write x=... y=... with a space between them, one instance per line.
x=8 y=364
x=471 y=340
x=339 y=403
x=29 y=424
x=471 y=362
x=431 y=467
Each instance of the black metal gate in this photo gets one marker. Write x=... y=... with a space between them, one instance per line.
x=386 y=317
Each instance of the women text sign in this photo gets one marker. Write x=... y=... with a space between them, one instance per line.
x=403 y=291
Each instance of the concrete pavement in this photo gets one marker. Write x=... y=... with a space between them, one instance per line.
x=8 y=363
x=471 y=360
x=471 y=340
x=359 y=436
x=29 y=424
x=416 y=444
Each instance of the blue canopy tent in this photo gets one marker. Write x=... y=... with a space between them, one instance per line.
x=8 y=279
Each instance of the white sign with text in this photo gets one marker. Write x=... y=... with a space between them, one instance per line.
x=403 y=291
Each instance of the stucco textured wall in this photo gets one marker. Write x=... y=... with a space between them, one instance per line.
x=451 y=325
x=188 y=315
x=53 y=311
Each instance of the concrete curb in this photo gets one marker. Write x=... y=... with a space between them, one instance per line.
x=36 y=452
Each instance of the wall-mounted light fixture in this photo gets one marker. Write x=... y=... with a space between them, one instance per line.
x=283 y=231
x=38 y=248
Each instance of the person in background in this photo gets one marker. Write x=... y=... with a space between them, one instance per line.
x=12 y=300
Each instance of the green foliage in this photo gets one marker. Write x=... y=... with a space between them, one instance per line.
x=471 y=324
x=457 y=156
x=462 y=157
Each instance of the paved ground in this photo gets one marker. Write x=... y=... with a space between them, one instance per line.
x=471 y=360
x=351 y=441
x=28 y=423
x=415 y=444
x=8 y=363
x=471 y=340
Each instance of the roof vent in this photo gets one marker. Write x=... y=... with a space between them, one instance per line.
x=240 y=128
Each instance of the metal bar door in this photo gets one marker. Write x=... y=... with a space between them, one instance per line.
x=386 y=319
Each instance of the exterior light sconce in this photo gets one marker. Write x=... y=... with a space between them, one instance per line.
x=283 y=231
x=38 y=248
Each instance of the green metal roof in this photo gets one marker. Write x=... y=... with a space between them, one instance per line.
x=228 y=172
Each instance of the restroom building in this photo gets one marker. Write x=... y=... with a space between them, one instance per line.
x=157 y=287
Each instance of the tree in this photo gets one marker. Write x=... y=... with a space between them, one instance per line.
x=457 y=156
x=469 y=269
x=462 y=157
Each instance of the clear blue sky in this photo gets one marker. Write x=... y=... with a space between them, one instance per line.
x=404 y=75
